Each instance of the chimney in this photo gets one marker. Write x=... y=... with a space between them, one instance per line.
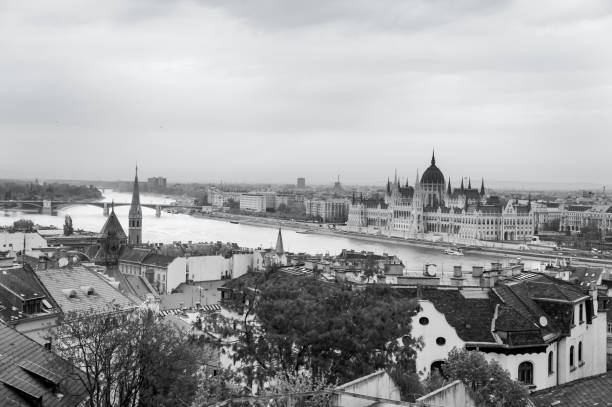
x=457 y=278
x=477 y=271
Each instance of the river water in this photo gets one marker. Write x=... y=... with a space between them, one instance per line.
x=175 y=227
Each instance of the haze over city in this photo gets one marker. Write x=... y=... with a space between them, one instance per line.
x=225 y=91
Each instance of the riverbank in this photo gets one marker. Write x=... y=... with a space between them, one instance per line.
x=544 y=254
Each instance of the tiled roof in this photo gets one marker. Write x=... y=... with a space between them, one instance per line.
x=139 y=286
x=22 y=283
x=23 y=361
x=21 y=280
x=519 y=330
x=593 y=391
x=134 y=254
x=490 y=209
x=585 y=276
x=578 y=208
x=59 y=281
x=159 y=260
x=112 y=227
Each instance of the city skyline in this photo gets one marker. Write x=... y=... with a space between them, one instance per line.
x=199 y=91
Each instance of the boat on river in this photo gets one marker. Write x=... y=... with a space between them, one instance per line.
x=453 y=252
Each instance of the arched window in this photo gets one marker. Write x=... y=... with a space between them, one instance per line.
x=437 y=367
x=550 y=363
x=579 y=351
x=571 y=356
x=525 y=372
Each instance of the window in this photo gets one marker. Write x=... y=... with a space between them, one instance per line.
x=437 y=367
x=550 y=363
x=581 y=313
x=440 y=340
x=525 y=372
x=579 y=351
x=424 y=321
x=571 y=356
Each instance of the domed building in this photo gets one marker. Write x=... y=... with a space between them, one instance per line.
x=432 y=206
x=433 y=185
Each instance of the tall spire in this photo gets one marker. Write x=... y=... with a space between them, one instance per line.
x=388 y=187
x=482 y=190
x=449 y=190
x=462 y=188
x=469 y=183
x=395 y=179
x=279 y=244
x=135 y=195
x=433 y=157
x=417 y=182
x=135 y=215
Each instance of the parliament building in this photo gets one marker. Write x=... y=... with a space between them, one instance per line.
x=432 y=206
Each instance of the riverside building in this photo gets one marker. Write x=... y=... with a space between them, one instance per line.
x=433 y=206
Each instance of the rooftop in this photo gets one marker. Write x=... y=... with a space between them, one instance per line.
x=76 y=288
x=31 y=374
x=592 y=391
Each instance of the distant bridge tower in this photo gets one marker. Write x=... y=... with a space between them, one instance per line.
x=135 y=216
x=47 y=207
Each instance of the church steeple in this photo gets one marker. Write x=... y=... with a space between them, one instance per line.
x=280 y=250
x=135 y=216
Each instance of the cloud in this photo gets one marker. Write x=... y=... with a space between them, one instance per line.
x=259 y=91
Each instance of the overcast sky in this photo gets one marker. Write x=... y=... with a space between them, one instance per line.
x=269 y=90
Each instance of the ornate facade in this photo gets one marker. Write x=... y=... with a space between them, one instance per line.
x=433 y=206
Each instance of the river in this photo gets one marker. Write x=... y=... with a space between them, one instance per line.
x=174 y=227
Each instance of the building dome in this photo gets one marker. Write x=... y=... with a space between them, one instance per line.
x=432 y=175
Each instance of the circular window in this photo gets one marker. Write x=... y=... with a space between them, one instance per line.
x=424 y=321
x=440 y=340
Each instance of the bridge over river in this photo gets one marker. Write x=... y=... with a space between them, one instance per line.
x=49 y=207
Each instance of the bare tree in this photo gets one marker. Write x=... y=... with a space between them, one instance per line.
x=129 y=358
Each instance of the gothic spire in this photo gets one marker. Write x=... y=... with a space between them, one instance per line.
x=449 y=190
x=482 y=190
x=135 y=209
x=388 y=187
x=469 y=183
x=462 y=188
x=433 y=157
x=279 y=244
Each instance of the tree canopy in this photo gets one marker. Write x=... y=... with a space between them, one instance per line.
x=490 y=384
x=301 y=324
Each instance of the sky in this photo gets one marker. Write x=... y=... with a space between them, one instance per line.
x=271 y=90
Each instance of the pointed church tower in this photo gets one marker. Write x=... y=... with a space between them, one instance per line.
x=279 y=244
x=470 y=183
x=482 y=190
x=449 y=190
x=135 y=216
